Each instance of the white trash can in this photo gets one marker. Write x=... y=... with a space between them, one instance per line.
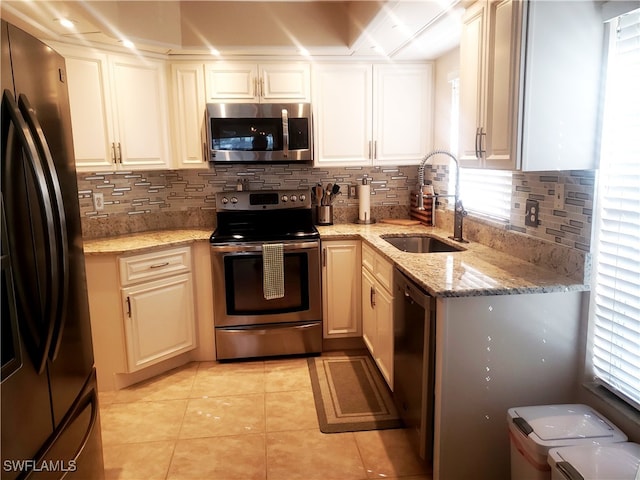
x=614 y=461
x=534 y=430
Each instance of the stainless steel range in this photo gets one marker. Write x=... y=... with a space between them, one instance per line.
x=265 y=258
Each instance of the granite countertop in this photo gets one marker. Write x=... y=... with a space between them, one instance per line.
x=476 y=271
x=139 y=242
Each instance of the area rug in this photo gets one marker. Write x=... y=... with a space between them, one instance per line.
x=350 y=394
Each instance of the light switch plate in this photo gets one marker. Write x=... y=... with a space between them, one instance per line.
x=98 y=201
x=558 y=197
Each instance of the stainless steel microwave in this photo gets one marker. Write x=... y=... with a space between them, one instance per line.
x=259 y=132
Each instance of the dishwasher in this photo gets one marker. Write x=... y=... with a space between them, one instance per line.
x=413 y=362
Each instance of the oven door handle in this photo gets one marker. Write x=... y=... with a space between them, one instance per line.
x=240 y=248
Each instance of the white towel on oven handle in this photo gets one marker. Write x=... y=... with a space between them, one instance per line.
x=273 y=270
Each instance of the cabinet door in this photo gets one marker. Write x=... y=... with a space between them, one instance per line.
x=402 y=113
x=287 y=82
x=343 y=114
x=189 y=115
x=235 y=82
x=90 y=104
x=159 y=320
x=341 y=289
x=369 y=327
x=502 y=84
x=384 y=343
x=140 y=105
x=472 y=48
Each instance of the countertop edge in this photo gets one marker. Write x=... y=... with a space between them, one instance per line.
x=496 y=265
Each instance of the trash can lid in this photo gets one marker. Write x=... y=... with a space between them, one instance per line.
x=563 y=425
x=592 y=462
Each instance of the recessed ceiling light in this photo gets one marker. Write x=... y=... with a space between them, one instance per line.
x=66 y=23
x=304 y=52
x=214 y=51
x=128 y=43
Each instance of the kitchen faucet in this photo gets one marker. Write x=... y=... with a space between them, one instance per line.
x=459 y=212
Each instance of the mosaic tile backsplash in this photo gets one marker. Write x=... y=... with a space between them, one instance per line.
x=138 y=201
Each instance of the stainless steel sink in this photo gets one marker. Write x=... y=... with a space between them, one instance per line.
x=420 y=244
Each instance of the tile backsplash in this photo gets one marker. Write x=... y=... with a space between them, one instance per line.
x=146 y=200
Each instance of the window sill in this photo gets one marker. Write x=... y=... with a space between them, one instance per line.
x=627 y=411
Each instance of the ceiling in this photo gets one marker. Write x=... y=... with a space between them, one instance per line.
x=398 y=30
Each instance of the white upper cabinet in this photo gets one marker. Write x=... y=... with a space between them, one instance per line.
x=530 y=85
x=372 y=114
x=238 y=82
x=343 y=116
x=489 y=54
x=118 y=110
x=188 y=115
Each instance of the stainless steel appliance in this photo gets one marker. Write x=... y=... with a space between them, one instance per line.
x=50 y=421
x=259 y=132
x=413 y=364
x=248 y=322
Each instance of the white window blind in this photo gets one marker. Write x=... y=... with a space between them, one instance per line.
x=487 y=192
x=615 y=307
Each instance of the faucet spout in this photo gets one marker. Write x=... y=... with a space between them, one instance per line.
x=459 y=211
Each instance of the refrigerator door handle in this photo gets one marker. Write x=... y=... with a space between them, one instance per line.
x=38 y=335
x=89 y=400
x=58 y=230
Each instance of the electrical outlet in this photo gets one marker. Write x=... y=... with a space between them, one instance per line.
x=531 y=213
x=98 y=201
x=558 y=197
x=353 y=191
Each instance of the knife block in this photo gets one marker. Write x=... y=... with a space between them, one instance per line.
x=426 y=216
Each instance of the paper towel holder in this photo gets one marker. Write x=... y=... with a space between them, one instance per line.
x=365 y=220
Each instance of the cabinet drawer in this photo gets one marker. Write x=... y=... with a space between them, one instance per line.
x=381 y=269
x=152 y=265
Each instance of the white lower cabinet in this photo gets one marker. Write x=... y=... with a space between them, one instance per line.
x=159 y=320
x=143 y=312
x=341 y=288
x=158 y=306
x=377 y=310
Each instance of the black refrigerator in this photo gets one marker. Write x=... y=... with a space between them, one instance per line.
x=49 y=412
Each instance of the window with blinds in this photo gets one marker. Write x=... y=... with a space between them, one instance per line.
x=615 y=303
x=486 y=192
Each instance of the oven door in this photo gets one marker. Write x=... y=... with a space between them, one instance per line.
x=238 y=285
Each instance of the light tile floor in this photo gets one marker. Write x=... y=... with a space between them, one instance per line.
x=240 y=421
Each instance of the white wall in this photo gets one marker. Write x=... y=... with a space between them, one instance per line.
x=446 y=66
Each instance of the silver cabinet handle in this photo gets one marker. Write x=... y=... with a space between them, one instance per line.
x=159 y=265
x=372 y=297
x=285 y=133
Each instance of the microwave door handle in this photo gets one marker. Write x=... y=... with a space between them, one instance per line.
x=285 y=133
x=37 y=327
x=60 y=274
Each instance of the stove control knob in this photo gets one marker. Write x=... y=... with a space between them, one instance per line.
x=285 y=198
x=225 y=200
x=303 y=197
x=293 y=198
x=234 y=200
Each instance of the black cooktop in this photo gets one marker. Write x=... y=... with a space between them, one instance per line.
x=264 y=217
x=235 y=227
